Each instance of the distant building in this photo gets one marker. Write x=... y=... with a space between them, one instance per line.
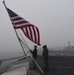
x=69 y=46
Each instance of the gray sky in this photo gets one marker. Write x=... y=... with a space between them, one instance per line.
x=54 y=18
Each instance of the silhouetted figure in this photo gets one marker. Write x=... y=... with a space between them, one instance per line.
x=0 y=62
x=34 y=54
x=45 y=56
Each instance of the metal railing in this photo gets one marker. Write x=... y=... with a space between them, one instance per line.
x=18 y=61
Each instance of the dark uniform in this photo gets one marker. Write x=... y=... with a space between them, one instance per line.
x=34 y=54
x=45 y=56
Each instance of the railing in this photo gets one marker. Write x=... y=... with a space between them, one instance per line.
x=19 y=61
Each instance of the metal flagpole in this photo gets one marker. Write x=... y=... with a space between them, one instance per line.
x=23 y=43
x=15 y=31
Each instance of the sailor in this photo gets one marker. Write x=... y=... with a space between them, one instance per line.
x=34 y=54
x=45 y=56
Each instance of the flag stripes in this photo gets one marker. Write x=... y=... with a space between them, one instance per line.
x=32 y=33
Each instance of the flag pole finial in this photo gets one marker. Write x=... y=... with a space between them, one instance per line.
x=4 y=3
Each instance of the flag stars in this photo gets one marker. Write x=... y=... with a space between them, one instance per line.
x=11 y=13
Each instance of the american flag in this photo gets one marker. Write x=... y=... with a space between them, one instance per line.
x=30 y=30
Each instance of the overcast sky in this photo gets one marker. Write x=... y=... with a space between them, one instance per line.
x=54 y=18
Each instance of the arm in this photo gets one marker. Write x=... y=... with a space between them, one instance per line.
x=31 y=51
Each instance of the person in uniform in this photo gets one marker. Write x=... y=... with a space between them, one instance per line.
x=45 y=56
x=34 y=54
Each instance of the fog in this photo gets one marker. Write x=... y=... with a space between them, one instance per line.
x=54 y=18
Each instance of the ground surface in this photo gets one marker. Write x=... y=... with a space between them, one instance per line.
x=58 y=65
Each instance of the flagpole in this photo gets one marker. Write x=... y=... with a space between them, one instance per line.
x=21 y=43
x=15 y=31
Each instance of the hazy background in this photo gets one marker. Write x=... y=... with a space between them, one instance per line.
x=54 y=18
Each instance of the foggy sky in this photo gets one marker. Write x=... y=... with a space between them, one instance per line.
x=54 y=18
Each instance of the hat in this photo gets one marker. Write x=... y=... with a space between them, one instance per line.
x=35 y=46
x=44 y=46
